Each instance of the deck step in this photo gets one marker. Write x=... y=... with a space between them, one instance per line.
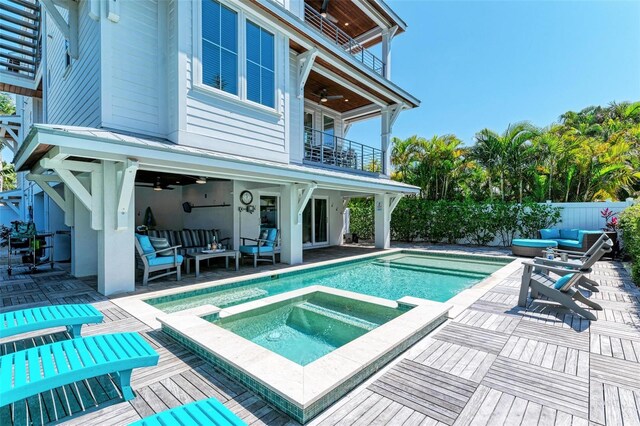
x=430 y=269
x=237 y=297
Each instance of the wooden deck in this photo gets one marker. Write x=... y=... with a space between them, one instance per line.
x=494 y=364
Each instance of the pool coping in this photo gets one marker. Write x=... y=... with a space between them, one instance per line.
x=304 y=391
x=146 y=313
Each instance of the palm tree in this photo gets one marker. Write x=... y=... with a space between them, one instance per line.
x=7 y=176
x=488 y=152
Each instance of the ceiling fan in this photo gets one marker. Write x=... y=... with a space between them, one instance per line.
x=324 y=96
x=325 y=14
x=157 y=186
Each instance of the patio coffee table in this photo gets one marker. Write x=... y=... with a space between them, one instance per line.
x=198 y=256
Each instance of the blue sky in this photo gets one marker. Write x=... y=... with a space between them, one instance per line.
x=477 y=64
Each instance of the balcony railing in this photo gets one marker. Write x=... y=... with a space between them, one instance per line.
x=342 y=39
x=327 y=149
x=20 y=38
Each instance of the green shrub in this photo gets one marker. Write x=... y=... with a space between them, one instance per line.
x=361 y=216
x=481 y=225
x=630 y=227
x=534 y=217
x=451 y=221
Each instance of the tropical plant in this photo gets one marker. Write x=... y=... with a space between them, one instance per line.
x=7 y=173
x=630 y=227
x=590 y=155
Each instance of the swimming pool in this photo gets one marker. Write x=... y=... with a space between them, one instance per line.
x=431 y=276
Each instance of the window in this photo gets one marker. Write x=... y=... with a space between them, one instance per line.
x=219 y=47
x=328 y=127
x=67 y=56
x=260 y=65
x=308 y=128
x=268 y=211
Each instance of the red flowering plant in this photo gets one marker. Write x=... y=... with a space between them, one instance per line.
x=611 y=220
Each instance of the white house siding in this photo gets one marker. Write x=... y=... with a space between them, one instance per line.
x=134 y=68
x=166 y=207
x=74 y=98
x=221 y=123
x=7 y=215
x=172 y=69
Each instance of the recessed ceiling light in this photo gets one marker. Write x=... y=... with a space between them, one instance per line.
x=346 y=24
x=346 y=100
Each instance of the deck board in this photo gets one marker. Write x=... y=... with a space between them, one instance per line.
x=495 y=363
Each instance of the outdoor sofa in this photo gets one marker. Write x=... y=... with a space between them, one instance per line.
x=571 y=239
x=189 y=240
x=577 y=240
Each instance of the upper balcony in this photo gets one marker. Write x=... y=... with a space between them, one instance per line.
x=20 y=47
x=326 y=149
x=323 y=23
x=356 y=26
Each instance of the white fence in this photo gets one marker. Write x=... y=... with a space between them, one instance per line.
x=587 y=215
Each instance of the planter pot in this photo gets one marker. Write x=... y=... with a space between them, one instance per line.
x=616 y=244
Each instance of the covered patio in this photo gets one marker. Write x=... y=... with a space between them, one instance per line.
x=106 y=182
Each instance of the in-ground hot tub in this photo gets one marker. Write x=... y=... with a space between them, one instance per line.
x=303 y=350
x=305 y=328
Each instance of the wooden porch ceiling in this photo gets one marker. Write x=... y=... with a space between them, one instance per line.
x=168 y=179
x=23 y=91
x=317 y=82
x=348 y=16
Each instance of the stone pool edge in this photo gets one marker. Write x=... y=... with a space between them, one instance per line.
x=137 y=306
x=304 y=392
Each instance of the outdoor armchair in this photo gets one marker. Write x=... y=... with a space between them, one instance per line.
x=562 y=290
x=264 y=249
x=582 y=262
x=149 y=261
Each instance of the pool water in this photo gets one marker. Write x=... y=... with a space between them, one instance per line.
x=310 y=327
x=428 y=276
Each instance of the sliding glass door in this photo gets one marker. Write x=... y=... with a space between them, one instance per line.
x=315 y=222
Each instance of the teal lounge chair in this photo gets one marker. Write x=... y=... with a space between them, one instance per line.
x=70 y=316
x=62 y=363
x=204 y=412
x=265 y=247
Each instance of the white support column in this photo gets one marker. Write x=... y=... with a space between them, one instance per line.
x=116 y=260
x=84 y=241
x=389 y=115
x=382 y=218
x=290 y=227
x=387 y=37
x=385 y=140
x=69 y=201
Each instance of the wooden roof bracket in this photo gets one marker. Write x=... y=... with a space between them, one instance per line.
x=69 y=29
x=305 y=62
x=304 y=195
